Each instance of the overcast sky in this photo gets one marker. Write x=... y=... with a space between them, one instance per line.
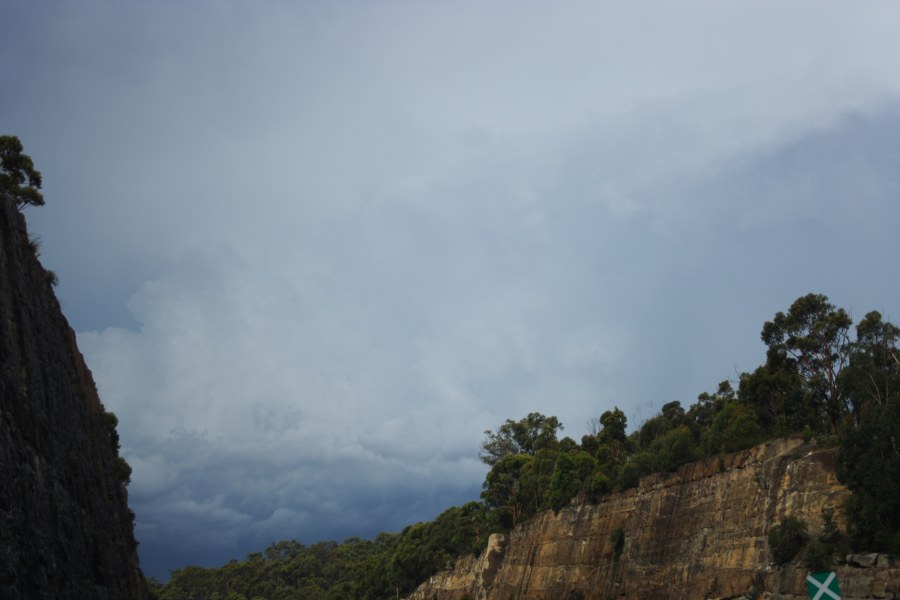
x=313 y=250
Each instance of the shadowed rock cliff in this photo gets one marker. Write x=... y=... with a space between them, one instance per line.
x=698 y=533
x=65 y=527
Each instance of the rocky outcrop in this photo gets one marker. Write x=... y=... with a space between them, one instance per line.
x=698 y=533
x=65 y=527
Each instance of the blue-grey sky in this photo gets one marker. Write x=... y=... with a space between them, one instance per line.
x=312 y=249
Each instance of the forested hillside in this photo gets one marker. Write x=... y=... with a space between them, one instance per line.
x=822 y=378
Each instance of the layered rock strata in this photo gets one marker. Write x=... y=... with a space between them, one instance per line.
x=698 y=533
x=65 y=528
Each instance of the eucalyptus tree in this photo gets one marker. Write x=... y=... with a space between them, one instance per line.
x=525 y=436
x=813 y=336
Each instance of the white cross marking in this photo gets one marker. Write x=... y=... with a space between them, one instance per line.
x=823 y=587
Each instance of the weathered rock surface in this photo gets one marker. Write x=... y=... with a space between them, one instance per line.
x=65 y=527
x=698 y=533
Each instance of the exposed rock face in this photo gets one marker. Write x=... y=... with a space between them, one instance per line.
x=65 y=527
x=699 y=533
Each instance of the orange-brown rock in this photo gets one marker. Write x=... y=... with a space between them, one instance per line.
x=698 y=533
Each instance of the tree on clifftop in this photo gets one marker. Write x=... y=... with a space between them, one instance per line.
x=525 y=436
x=813 y=338
x=18 y=177
x=869 y=460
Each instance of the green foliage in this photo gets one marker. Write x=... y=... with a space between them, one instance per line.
x=123 y=470
x=154 y=587
x=525 y=436
x=389 y=566
x=872 y=375
x=776 y=392
x=673 y=413
x=631 y=472
x=598 y=486
x=813 y=335
x=425 y=548
x=869 y=458
x=111 y=422
x=869 y=464
x=585 y=465
x=567 y=444
x=701 y=413
x=816 y=556
x=614 y=424
x=34 y=245
x=832 y=537
x=612 y=445
x=18 y=177
x=652 y=429
x=503 y=490
x=734 y=428
x=674 y=449
x=830 y=532
x=564 y=483
x=322 y=570
x=786 y=539
x=617 y=539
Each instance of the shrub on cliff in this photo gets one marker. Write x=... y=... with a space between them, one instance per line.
x=816 y=556
x=787 y=539
x=617 y=539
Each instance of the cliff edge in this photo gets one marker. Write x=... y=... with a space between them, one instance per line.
x=698 y=533
x=65 y=527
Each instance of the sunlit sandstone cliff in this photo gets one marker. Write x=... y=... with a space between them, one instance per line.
x=698 y=533
x=65 y=527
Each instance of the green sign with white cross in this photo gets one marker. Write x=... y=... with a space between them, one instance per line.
x=823 y=586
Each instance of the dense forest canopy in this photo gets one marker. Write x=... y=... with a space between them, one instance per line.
x=818 y=380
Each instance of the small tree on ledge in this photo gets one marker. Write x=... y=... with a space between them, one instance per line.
x=18 y=177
